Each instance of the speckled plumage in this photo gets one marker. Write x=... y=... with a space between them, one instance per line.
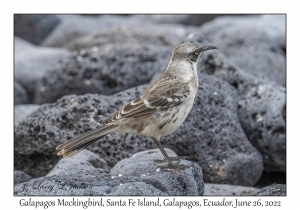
x=159 y=111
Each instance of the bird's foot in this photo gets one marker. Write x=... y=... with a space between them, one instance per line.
x=173 y=158
x=172 y=167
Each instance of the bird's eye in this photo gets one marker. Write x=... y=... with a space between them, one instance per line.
x=196 y=51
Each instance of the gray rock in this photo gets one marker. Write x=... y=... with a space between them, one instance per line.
x=262 y=63
x=274 y=26
x=207 y=136
x=31 y=63
x=22 y=111
x=273 y=190
x=185 y=19
x=100 y=182
x=104 y=70
x=182 y=182
x=20 y=94
x=122 y=37
x=70 y=28
x=85 y=160
x=34 y=27
x=88 y=183
x=261 y=108
x=135 y=189
x=20 y=177
x=228 y=190
x=255 y=43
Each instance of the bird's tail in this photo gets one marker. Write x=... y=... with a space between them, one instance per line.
x=84 y=140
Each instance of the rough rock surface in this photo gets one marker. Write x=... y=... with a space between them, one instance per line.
x=31 y=62
x=20 y=177
x=133 y=176
x=224 y=189
x=211 y=136
x=255 y=43
x=22 y=111
x=34 y=27
x=182 y=182
x=20 y=94
x=261 y=108
x=85 y=160
x=134 y=188
x=273 y=190
x=104 y=70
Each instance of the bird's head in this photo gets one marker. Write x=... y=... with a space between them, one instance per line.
x=190 y=51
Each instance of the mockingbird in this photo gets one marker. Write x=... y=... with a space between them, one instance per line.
x=159 y=111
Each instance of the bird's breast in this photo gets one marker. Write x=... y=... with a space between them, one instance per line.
x=167 y=121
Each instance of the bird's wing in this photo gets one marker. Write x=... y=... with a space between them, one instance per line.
x=161 y=94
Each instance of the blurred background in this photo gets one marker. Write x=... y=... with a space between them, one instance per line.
x=59 y=55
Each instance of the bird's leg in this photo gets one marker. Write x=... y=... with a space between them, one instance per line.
x=160 y=147
x=167 y=158
x=122 y=140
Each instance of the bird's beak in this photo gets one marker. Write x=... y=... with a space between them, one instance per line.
x=205 y=48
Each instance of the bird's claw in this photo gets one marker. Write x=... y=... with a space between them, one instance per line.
x=173 y=158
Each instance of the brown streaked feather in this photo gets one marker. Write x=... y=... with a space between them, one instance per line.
x=77 y=149
x=157 y=96
x=155 y=83
x=79 y=138
x=82 y=141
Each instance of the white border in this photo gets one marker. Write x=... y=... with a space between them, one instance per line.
x=216 y=6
